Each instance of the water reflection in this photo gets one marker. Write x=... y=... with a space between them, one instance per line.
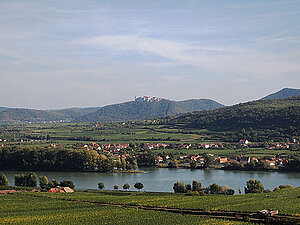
x=162 y=179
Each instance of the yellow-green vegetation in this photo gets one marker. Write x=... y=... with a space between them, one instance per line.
x=286 y=201
x=22 y=208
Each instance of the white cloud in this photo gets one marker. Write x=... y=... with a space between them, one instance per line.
x=235 y=60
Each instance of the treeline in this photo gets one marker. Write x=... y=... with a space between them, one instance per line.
x=39 y=159
x=263 y=114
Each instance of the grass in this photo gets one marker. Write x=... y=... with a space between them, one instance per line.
x=24 y=209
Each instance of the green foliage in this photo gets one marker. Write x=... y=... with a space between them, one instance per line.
x=179 y=187
x=67 y=183
x=53 y=183
x=126 y=186
x=29 y=180
x=138 y=185
x=43 y=182
x=54 y=160
x=275 y=113
x=101 y=185
x=3 y=180
x=196 y=186
x=173 y=164
x=116 y=187
x=254 y=186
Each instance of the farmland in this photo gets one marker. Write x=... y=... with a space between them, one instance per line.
x=23 y=209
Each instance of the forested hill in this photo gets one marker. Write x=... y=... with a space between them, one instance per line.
x=284 y=93
x=267 y=114
x=144 y=109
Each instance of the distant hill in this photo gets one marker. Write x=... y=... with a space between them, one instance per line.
x=33 y=115
x=147 y=108
x=272 y=113
x=284 y=93
x=30 y=115
x=73 y=113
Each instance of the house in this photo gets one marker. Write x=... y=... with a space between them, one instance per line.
x=59 y=189
x=223 y=160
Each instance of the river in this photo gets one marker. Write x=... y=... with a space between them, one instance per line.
x=162 y=179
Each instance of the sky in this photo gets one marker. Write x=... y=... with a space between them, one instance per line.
x=75 y=53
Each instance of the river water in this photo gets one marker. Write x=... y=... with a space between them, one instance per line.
x=162 y=179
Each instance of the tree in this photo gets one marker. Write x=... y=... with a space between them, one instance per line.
x=20 y=180
x=3 y=180
x=193 y=164
x=43 y=182
x=196 y=186
x=214 y=189
x=126 y=186
x=138 y=185
x=254 y=186
x=53 y=183
x=67 y=183
x=31 y=180
x=116 y=187
x=101 y=185
x=179 y=187
x=173 y=164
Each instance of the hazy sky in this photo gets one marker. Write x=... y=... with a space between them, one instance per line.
x=57 y=54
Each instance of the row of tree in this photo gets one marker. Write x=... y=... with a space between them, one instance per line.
x=137 y=185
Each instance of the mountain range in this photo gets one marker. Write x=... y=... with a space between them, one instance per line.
x=141 y=108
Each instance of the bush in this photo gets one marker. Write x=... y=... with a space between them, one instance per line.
x=285 y=186
x=67 y=183
x=138 y=185
x=3 y=180
x=43 y=182
x=179 y=187
x=196 y=186
x=192 y=193
x=26 y=181
x=116 y=187
x=126 y=186
x=267 y=191
x=101 y=185
x=276 y=189
x=214 y=189
x=188 y=187
x=254 y=186
x=53 y=183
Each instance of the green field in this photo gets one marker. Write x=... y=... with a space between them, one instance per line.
x=22 y=208
x=285 y=201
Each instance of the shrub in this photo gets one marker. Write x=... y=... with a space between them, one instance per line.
x=138 y=185
x=196 y=186
x=101 y=185
x=43 y=182
x=188 y=187
x=126 y=186
x=192 y=193
x=254 y=186
x=179 y=187
x=267 y=191
x=116 y=187
x=3 y=180
x=285 y=186
x=53 y=183
x=67 y=183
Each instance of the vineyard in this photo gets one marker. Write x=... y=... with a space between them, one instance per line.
x=22 y=208
x=285 y=201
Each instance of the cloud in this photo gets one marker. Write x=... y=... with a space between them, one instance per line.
x=222 y=59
